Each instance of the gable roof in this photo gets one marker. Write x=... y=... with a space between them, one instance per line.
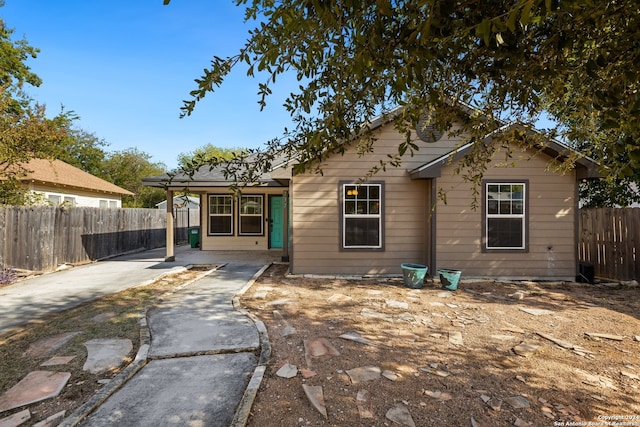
x=585 y=166
x=60 y=174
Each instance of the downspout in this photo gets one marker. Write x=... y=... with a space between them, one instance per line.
x=170 y=256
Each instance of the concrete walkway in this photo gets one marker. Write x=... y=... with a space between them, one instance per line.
x=201 y=361
x=202 y=355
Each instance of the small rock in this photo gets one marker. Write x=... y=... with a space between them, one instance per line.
x=397 y=304
x=535 y=311
x=320 y=347
x=16 y=419
x=51 y=421
x=502 y=337
x=339 y=298
x=390 y=375
x=438 y=372
x=494 y=404
x=307 y=373
x=513 y=329
x=362 y=399
x=521 y=423
x=356 y=337
x=400 y=414
x=58 y=360
x=288 y=330
x=439 y=395
x=287 y=371
x=521 y=378
x=525 y=350
x=518 y=402
x=436 y=304
x=365 y=373
x=636 y=337
x=316 y=397
x=375 y=315
x=455 y=338
x=519 y=295
x=605 y=336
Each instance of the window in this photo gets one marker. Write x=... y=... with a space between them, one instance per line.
x=505 y=216
x=69 y=201
x=221 y=215
x=251 y=216
x=362 y=216
x=54 y=200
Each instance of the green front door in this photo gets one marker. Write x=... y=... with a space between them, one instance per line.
x=275 y=222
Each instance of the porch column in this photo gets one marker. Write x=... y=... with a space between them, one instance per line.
x=285 y=226
x=170 y=226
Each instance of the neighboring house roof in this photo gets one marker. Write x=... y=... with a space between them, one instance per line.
x=60 y=174
x=180 y=200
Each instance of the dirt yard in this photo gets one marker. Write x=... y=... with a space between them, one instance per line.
x=488 y=354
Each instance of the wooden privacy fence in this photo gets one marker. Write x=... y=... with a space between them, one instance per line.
x=609 y=238
x=42 y=238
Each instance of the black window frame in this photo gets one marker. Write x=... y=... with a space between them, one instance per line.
x=261 y=216
x=230 y=215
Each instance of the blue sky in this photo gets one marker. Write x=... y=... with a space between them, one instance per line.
x=125 y=66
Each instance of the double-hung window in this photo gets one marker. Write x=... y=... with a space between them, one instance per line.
x=251 y=216
x=505 y=221
x=221 y=215
x=362 y=216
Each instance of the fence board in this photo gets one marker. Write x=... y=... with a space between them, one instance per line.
x=42 y=238
x=609 y=239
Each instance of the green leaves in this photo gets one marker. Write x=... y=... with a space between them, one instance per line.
x=510 y=60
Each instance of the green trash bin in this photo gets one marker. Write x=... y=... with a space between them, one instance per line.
x=194 y=237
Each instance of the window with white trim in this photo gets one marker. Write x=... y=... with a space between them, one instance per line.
x=362 y=216
x=505 y=216
x=251 y=216
x=220 y=215
x=54 y=199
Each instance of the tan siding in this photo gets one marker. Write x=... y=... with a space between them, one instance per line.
x=405 y=228
x=236 y=242
x=458 y=243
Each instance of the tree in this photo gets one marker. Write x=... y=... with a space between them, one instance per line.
x=126 y=169
x=14 y=72
x=81 y=149
x=25 y=132
x=206 y=154
x=508 y=60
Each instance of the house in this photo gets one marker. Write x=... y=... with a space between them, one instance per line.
x=524 y=226
x=181 y=202
x=61 y=184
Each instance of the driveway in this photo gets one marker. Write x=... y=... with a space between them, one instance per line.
x=36 y=297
